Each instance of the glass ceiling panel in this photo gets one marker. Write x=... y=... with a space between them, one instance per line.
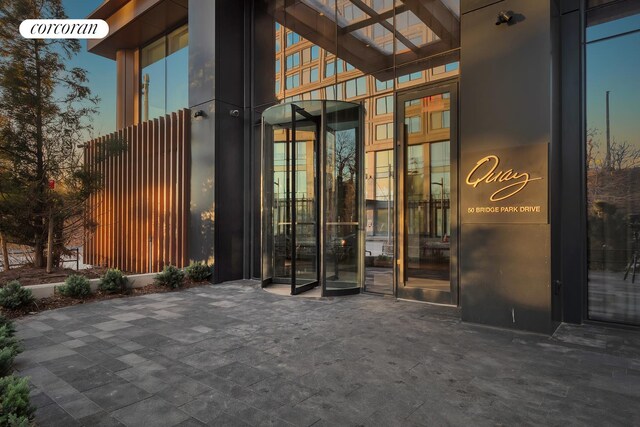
x=381 y=6
x=367 y=30
x=413 y=29
x=325 y=7
x=349 y=13
x=377 y=37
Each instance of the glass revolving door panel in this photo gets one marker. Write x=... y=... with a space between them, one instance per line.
x=311 y=208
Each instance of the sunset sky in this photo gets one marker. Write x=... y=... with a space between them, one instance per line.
x=102 y=71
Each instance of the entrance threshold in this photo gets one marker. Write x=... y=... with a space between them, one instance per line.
x=427 y=302
x=285 y=290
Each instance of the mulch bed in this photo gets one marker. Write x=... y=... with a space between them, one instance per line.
x=59 y=301
x=28 y=275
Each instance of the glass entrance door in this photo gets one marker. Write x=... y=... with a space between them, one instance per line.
x=427 y=186
x=311 y=188
x=291 y=202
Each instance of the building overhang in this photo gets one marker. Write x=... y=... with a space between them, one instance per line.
x=134 y=23
x=317 y=22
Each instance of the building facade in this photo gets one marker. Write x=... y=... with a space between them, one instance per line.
x=498 y=147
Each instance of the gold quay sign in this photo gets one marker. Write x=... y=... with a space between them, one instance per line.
x=507 y=185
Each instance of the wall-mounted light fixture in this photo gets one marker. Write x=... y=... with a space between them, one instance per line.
x=199 y=113
x=234 y=113
x=504 y=17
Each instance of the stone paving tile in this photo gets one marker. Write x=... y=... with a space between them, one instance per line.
x=100 y=419
x=153 y=411
x=233 y=354
x=54 y=416
x=116 y=394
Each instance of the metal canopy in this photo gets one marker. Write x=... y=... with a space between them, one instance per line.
x=376 y=36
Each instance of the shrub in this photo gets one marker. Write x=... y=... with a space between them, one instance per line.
x=75 y=286
x=15 y=421
x=171 y=277
x=198 y=271
x=8 y=324
x=16 y=410
x=9 y=348
x=7 y=355
x=13 y=295
x=114 y=282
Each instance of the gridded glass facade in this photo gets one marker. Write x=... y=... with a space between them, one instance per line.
x=347 y=57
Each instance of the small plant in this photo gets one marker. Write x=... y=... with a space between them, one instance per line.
x=15 y=408
x=114 y=282
x=170 y=276
x=14 y=295
x=9 y=346
x=198 y=271
x=75 y=286
x=8 y=324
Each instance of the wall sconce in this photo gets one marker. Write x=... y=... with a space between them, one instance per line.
x=234 y=113
x=504 y=17
x=199 y=113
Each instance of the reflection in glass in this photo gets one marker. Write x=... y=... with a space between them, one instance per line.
x=177 y=70
x=290 y=175
x=292 y=232
x=612 y=150
x=164 y=83
x=341 y=205
x=153 y=79
x=428 y=194
x=362 y=44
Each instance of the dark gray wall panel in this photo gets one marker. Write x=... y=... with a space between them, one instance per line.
x=471 y=5
x=506 y=101
x=567 y=6
x=230 y=38
x=217 y=85
x=201 y=227
x=505 y=275
x=505 y=81
x=573 y=241
x=263 y=56
x=555 y=163
x=229 y=203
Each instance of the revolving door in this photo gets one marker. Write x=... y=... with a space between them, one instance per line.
x=312 y=197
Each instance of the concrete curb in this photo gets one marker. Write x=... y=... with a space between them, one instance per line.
x=47 y=289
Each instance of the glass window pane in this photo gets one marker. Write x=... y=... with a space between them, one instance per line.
x=361 y=86
x=351 y=88
x=177 y=40
x=330 y=69
x=612 y=149
x=177 y=71
x=381 y=106
x=153 y=80
x=436 y=120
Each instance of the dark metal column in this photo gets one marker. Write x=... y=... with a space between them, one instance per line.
x=216 y=97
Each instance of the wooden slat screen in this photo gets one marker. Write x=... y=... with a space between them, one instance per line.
x=141 y=210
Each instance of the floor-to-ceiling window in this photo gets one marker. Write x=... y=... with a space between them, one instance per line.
x=164 y=75
x=612 y=148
